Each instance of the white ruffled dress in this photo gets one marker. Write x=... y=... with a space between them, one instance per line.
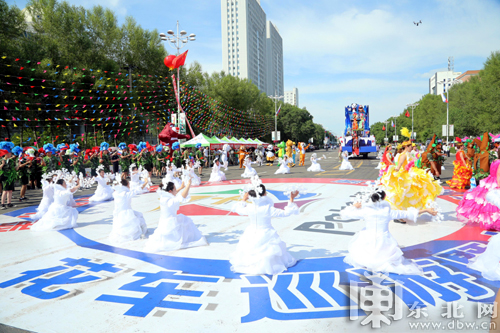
x=249 y=171
x=488 y=261
x=60 y=214
x=217 y=174
x=195 y=179
x=128 y=224
x=260 y=249
x=174 y=231
x=283 y=169
x=374 y=248
x=315 y=166
x=171 y=178
x=47 y=200
x=136 y=183
x=346 y=165
x=103 y=192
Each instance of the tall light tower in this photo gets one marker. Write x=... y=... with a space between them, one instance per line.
x=276 y=97
x=177 y=41
x=412 y=106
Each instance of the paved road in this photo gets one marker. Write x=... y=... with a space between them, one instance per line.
x=363 y=169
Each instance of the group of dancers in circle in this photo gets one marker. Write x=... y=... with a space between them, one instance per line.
x=402 y=193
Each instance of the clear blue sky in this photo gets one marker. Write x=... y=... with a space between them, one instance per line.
x=338 y=52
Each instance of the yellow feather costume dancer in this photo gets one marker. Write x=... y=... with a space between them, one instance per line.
x=406 y=185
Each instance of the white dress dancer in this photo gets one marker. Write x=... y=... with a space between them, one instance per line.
x=190 y=172
x=135 y=181
x=47 y=200
x=488 y=261
x=374 y=248
x=260 y=249
x=284 y=168
x=174 y=231
x=104 y=192
x=171 y=177
x=249 y=171
x=60 y=214
x=217 y=174
x=346 y=165
x=315 y=166
x=128 y=224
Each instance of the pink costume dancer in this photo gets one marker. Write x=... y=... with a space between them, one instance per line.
x=474 y=208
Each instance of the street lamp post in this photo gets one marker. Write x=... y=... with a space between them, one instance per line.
x=451 y=82
x=386 y=130
x=276 y=98
x=412 y=108
x=177 y=41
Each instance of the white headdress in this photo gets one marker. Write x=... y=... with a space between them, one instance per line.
x=255 y=184
x=99 y=168
x=133 y=165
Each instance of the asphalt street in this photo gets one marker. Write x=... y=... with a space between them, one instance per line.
x=363 y=169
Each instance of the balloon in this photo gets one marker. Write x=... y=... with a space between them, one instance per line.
x=168 y=61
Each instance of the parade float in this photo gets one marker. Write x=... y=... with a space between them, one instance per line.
x=357 y=139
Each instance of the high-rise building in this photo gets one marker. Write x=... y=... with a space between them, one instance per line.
x=246 y=38
x=436 y=86
x=274 y=59
x=292 y=97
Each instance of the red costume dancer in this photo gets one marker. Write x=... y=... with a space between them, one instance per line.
x=462 y=172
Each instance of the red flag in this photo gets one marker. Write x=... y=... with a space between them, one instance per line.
x=383 y=128
x=407 y=114
x=180 y=60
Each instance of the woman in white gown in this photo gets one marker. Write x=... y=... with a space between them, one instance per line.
x=488 y=261
x=374 y=248
x=135 y=181
x=171 y=177
x=249 y=171
x=60 y=214
x=346 y=165
x=174 y=231
x=217 y=174
x=315 y=166
x=260 y=249
x=103 y=192
x=128 y=224
x=47 y=199
x=189 y=171
x=284 y=168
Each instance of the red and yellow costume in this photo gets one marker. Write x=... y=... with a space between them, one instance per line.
x=462 y=171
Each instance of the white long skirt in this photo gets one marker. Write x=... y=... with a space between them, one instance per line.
x=128 y=225
x=217 y=176
x=346 y=165
x=379 y=253
x=102 y=194
x=249 y=172
x=43 y=207
x=283 y=169
x=138 y=187
x=261 y=251
x=488 y=261
x=174 y=233
x=57 y=217
x=315 y=167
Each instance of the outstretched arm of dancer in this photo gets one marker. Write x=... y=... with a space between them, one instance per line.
x=290 y=209
x=74 y=189
x=185 y=189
